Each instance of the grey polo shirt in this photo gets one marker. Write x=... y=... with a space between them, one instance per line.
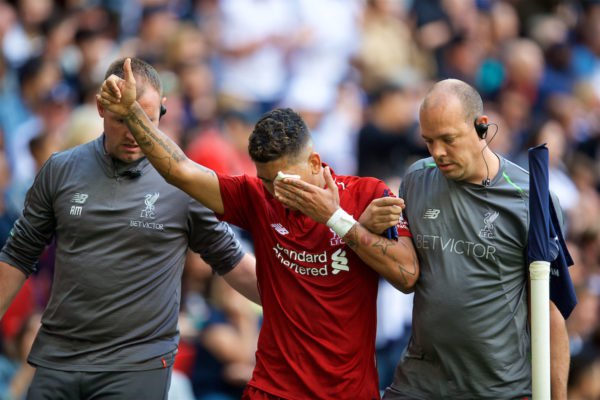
x=470 y=338
x=121 y=243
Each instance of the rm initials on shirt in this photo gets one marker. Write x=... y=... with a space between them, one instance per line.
x=76 y=211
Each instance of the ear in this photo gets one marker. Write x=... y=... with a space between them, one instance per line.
x=483 y=119
x=314 y=160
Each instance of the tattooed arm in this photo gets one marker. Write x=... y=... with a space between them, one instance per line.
x=119 y=96
x=396 y=261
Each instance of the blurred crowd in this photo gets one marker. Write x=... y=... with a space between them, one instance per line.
x=356 y=70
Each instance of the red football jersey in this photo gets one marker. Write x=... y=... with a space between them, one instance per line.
x=317 y=340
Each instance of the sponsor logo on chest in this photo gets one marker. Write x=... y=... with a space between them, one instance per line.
x=312 y=264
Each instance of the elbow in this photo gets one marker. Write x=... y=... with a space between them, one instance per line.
x=405 y=276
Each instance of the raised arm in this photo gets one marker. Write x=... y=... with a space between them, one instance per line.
x=120 y=97
x=395 y=260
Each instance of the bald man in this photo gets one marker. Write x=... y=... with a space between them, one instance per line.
x=468 y=212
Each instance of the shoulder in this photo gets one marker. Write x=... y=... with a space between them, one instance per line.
x=515 y=175
x=81 y=152
x=357 y=183
x=419 y=168
x=424 y=164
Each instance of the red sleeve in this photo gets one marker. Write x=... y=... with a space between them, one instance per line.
x=237 y=197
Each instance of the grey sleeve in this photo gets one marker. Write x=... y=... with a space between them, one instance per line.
x=34 y=229
x=559 y=212
x=214 y=240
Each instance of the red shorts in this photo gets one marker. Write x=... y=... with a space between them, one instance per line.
x=252 y=393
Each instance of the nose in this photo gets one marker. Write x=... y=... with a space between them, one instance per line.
x=129 y=136
x=437 y=149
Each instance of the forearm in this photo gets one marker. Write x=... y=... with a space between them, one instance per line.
x=11 y=280
x=243 y=279
x=559 y=354
x=161 y=151
x=171 y=162
x=396 y=261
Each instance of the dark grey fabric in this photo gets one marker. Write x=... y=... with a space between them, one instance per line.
x=121 y=244
x=51 y=384
x=470 y=338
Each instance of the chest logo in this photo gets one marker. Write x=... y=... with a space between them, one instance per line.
x=339 y=262
x=488 y=230
x=149 y=201
x=280 y=229
x=78 y=198
x=431 y=213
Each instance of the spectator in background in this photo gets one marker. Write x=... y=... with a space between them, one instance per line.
x=225 y=344
x=255 y=37
x=15 y=373
x=224 y=148
x=584 y=374
x=388 y=142
x=388 y=51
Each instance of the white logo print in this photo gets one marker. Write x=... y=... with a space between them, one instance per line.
x=79 y=198
x=76 y=211
x=149 y=200
x=280 y=229
x=488 y=230
x=339 y=262
x=431 y=213
x=335 y=240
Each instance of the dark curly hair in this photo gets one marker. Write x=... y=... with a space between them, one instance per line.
x=141 y=69
x=278 y=133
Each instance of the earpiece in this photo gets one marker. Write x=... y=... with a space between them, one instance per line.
x=481 y=129
x=163 y=110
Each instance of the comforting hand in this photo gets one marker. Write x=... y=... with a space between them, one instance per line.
x=313 y=201
x=118 y=95
x=382 y=213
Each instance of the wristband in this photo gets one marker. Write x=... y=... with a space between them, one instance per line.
x=341 y=222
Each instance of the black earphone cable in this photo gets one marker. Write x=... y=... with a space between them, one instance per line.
x=487 y=181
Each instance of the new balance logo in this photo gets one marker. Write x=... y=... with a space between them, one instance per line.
x=280 y=229
x=339 y=262
x=431 y=213
x=79 y=198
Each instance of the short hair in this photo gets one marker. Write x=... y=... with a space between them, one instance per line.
x=470 y=100
x=141 y=69
x=278 y=133
x=466 y=94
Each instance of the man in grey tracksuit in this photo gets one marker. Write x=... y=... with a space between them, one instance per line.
x=468 y=213
x=122 y=233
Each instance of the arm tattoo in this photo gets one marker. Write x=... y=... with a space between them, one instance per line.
x=354 y=241
x=351 y=237
x=383 y=243
x=206 y=170
x=147 y=139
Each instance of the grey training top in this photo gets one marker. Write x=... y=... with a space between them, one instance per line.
x=470 y=338
x=121 y=243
